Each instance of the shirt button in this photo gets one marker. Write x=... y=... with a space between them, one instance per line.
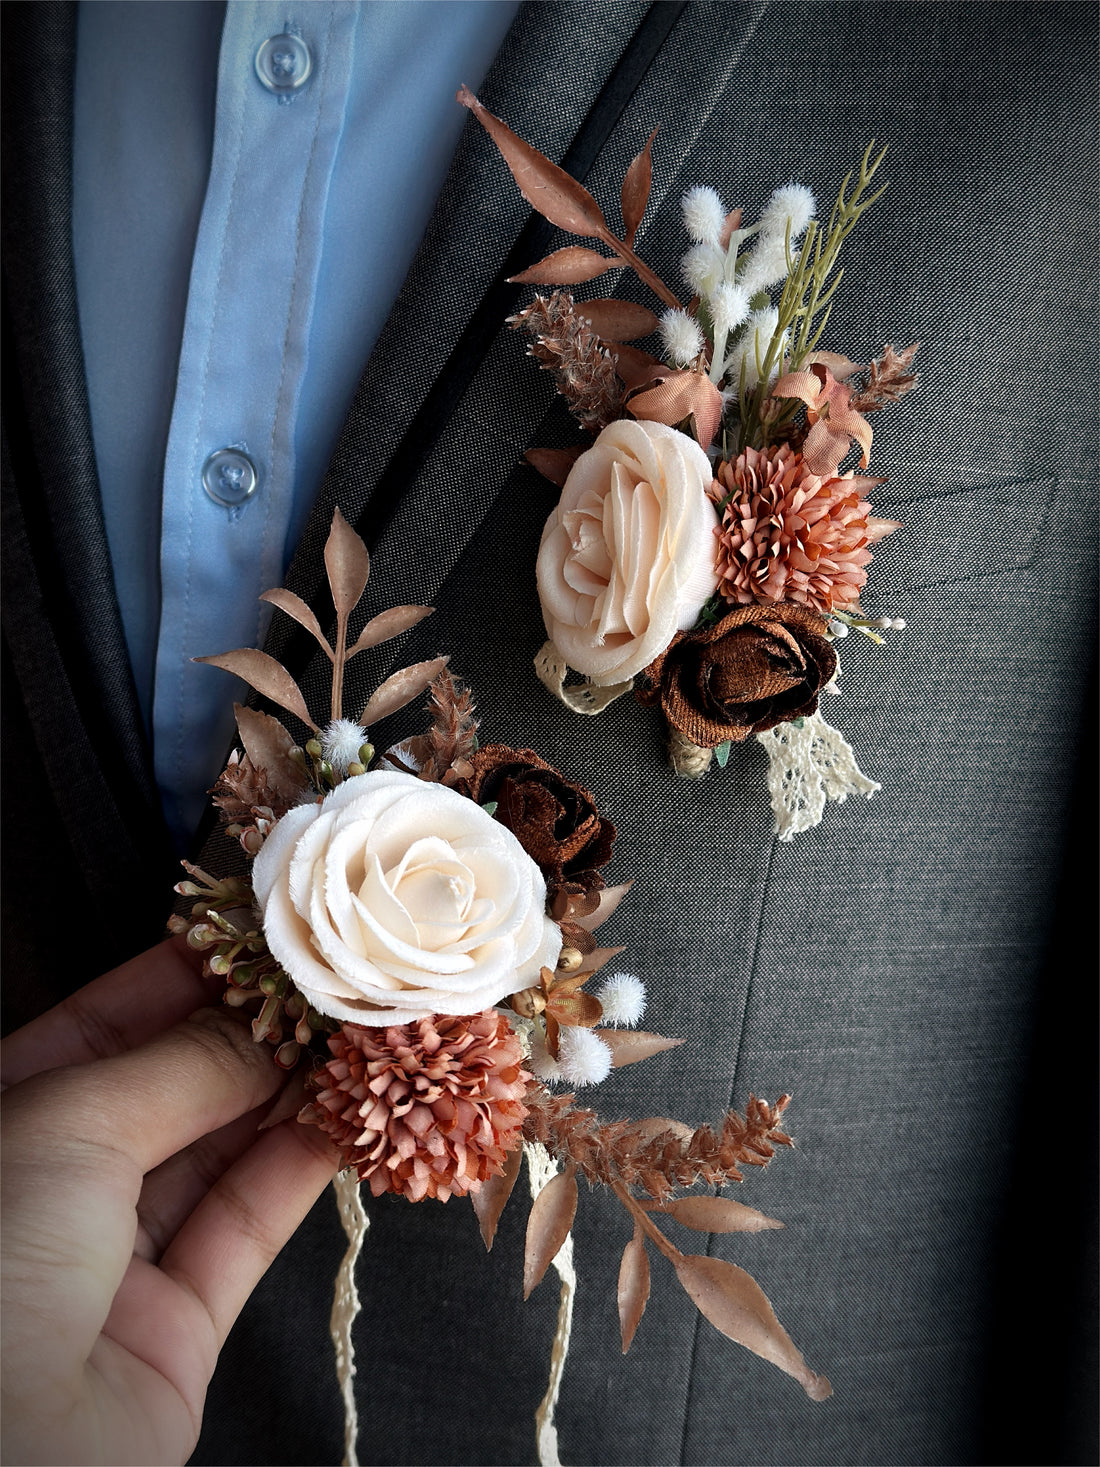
x=283 y=64
x=229 y=477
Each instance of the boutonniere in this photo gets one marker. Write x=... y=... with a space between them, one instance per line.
x=710 y=548
x=416 y=940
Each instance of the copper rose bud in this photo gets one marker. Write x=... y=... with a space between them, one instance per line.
x=757 y=667
x=555 y=821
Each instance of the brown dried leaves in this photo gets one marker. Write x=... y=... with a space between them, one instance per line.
x=628 y=1046
x=737 y=1306
x=568 y=205
x=552 y=1214
x=652 y=1155
x=490 y=1198
x=618 y=321
x=400 y=688
x=388 y=624
x=635 y=190
x=268 y=677
x=718 y=1215
x=633 y=1290
x=571 y=266
x=347 y=565
x=544 y=185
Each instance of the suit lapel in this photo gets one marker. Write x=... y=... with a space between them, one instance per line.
x=73 y=668
x=418 y=465
x=442 y=416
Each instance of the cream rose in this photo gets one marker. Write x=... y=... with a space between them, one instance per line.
x=394 y=898
x=628 y=557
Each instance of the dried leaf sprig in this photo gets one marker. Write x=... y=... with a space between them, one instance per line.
x=347 y=566
x=725 y=1294
x=656 y=1156
x=568 y=205
x=730 y=335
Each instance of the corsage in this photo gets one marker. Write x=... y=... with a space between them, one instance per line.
x=417 y=941
x=709 y=548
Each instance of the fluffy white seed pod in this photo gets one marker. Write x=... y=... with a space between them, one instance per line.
x=682 y=337
x=702 y=268
x=341 y=742
x=766 y=266
x=793 y=202
x=542 y=1062
x=729 y=306
x=704 y=215
x=584 y=1058
x=752 y=346
x=623 y=1000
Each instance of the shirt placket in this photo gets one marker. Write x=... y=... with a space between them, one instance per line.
x=283 y=80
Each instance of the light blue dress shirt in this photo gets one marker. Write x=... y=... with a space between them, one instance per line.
x=240 y=236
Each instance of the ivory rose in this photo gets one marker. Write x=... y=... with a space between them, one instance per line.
x=628 y=557
x=394 y=898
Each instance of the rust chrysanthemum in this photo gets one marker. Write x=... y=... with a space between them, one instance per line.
x=789 y=535
x=428 y=1109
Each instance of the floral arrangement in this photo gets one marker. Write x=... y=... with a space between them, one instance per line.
x=417 y=942
x=708 y=550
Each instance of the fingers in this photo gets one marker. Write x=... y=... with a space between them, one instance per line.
x=78 y=1141
x=117 y=1012
x=150 y=1102
x=172 y=1191
x=226 y=1245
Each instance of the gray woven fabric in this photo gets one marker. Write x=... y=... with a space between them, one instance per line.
x=885 y=967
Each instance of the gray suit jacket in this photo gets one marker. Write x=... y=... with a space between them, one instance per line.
x=902 y=970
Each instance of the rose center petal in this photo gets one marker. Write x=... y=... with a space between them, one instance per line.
x=438 y=892
x=756 y=665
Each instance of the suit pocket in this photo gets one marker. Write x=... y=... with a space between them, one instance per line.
x=964 y=536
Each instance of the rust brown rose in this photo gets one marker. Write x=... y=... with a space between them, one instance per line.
x=555 y=821
x=757 y=667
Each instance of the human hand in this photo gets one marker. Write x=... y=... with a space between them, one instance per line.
x=141 y=1208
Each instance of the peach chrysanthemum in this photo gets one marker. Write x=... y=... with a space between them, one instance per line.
x=789 y=535
x=428 y=1109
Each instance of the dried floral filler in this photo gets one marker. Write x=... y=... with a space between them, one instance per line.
x=417 y=941
x=707 y=550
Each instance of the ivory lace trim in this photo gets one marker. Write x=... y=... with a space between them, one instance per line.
x=582 y=697
x=346 y=1304
x=808 y=766
x=540 y=1168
